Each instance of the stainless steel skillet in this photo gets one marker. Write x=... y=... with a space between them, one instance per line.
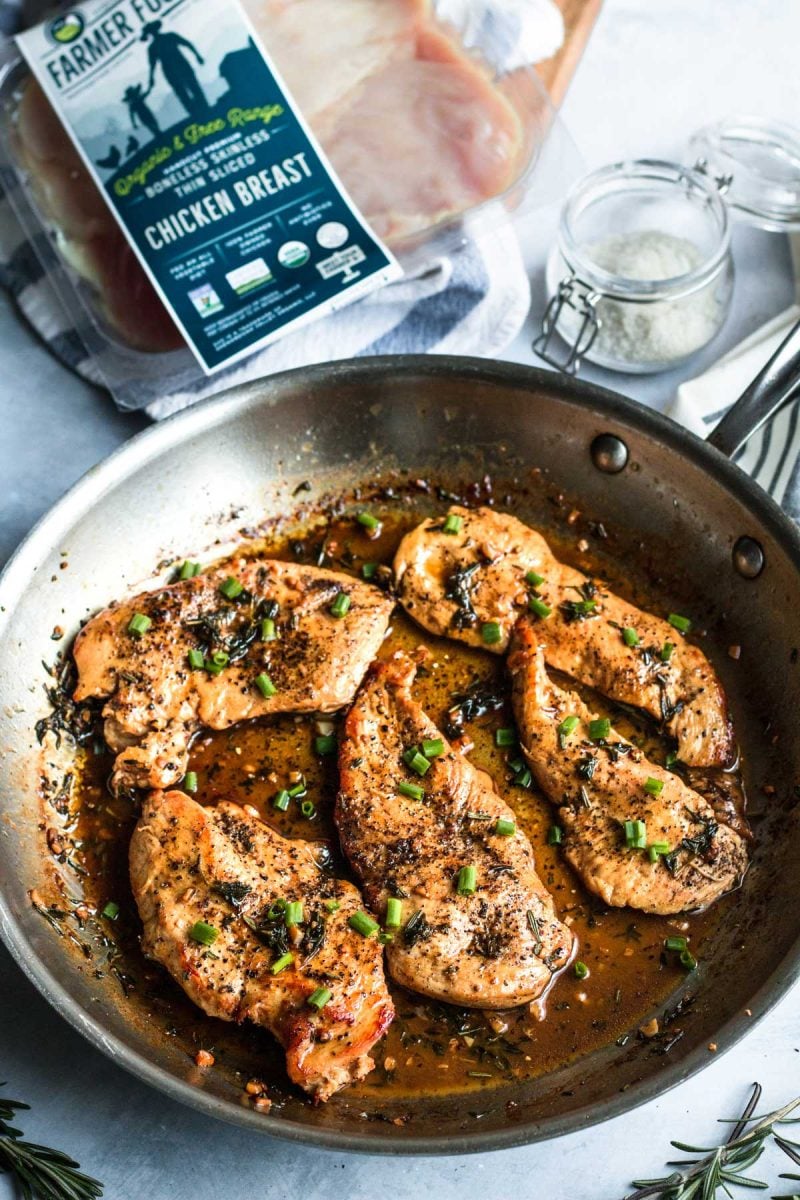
x=671 y=502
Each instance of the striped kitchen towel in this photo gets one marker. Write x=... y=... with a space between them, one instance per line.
x=473 y=302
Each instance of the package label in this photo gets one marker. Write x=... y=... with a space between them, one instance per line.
x=209 y=167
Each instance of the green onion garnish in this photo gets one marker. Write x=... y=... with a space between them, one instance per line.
x=111 y=911
x=630 y=637
x=432 y=747
x=368 y=521
x=581 y=970
x=555 y=835
x=205 y=934
x=534 y=578
x=319 y=998
x=384 y=938
x=139 y=624
x=539 y=607
x=654 y=787
x=505 y=737
x=467 y=882
x=189 y=570
x=282 y=963
x=688 y=960
x=656 y=850
x=599 y=729
x=452 y=523
x=268 y=633
x=635 y=835
x=411 y=789
x=682 y=624
x=666 y=651
x=505 y=827
x=567 y=726
x=308 y=808
x=294 y=913
x=196 y=660
x=341 y=605
x=416 y=761
x=276 y=909
x=281 y=800
x=190 y=781
x=368 y=570
x=491 y=633
x=363 y=923
x=298 y=789
x=671 y=759
x=332 y=906
x=231 y=588
x=326 y=744
x=523 y=778
x=265 y=685
x=394 y=913
x=217 y=663
x=678 y=944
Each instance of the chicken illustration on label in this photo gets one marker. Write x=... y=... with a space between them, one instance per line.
x=209 y=167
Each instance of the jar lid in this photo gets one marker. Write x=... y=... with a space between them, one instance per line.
x=756 y=165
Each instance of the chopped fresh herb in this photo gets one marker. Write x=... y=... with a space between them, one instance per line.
x=555 y=835
x=578 y=610
x=505 y=737
x=682 y=624
x=294 y=913
x=432 y=747
x=452 y=523
x=567 y=726
x=139 y=624
x=281 y=800
x=491 y=633
x=676 y=944
x=599 y=729
x=282 y=963
x=217 y=663
x=657 y=850
x=417 y=761
x=635 y=835
x=190 y=781
x=413 y=790
x=394 y=913
x=326 y=744
x=505 y=827
x=189 y=570
x=417 y=928
x=534 y=578
x=319 y=997
x=111 y=911
x=363 y=923
x=688 y=960
x=308 y=809
x=581 y=970
x=523 y=778
x=231 y=588
x=265 y=685
x=341 y=605
x=368 y=521
x=671 y=759
x=268 y=633
x=299 y=789
x=539 y=607
x=368 y=570
x=666 y=651
x=385 y=938
x=203 y=933
x=479 y=816
x=276 y=909
x=467 y=881
x=332 y=906
x=630 y=637
x=653 y=787
x=535 y=928
x=196 y=660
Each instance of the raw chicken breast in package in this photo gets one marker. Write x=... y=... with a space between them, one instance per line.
x=429 y=140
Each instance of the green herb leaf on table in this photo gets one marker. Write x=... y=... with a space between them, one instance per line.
x=40 y=1172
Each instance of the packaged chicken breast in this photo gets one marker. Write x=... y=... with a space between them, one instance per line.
x=201 y=177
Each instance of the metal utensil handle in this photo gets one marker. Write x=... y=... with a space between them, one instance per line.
x=768 y=393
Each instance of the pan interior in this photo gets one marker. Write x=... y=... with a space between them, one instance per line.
x=197 y=484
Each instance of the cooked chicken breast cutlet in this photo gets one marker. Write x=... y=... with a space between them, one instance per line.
x=212 y=885
x=635 y=833
x=261 y=637
x=478 y=567
x=478 y=927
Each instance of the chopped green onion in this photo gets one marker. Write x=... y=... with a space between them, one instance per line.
x=341 y=605
x=231 y=588
x=332 y=906
x=368 y=570
x=678 y=944
x=682 y=624
x=282 y=963
x=505 y=828
x=411 y=789
x=298 y=789
x=217 y=663
x=394 y=913
x=268 y=633
x=294 y=913
x=326 y=744
x=190 y=781
x=567 y=726
x=671 y=759
x=196 y=660
x=363 y=923
x=523 y=778
x=416 y=761
x=319 y=998
x=516 y=765
x=505 y=737
x=281 y=800
x=630 y=637
x=555 y=835
x=688 y=960
x=452 y=523
x=308 y=809
x=139 y=624
x=666 y=651
x=276 y=909
x=111 y=911
x=368 y=521
x=384 y=938
x=534 y=578
x=539 y=607
x=432 y=747
x=654 y=787
x=581 y=970
x=491 y=633
x=467 y=881
x=635 y=835
x=189 y=570
x=265 y=685
x=599 y=729
x=656 y=850
x=205 y=934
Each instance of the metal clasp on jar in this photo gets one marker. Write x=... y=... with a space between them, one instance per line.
x=577 y=296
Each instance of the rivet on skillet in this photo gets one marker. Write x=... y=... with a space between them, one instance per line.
x=609 y=453
x=748 y=557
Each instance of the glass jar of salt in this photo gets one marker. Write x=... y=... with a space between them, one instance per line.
x=642 y=274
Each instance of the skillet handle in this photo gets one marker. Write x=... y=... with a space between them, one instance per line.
x=768 y=392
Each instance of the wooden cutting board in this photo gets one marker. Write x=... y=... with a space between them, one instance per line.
x=579 y=19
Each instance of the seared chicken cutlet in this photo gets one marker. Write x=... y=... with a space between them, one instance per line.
x=479 y=568
x=215 y=889
x=635 y=833
x=270 y=637
x=477 y=926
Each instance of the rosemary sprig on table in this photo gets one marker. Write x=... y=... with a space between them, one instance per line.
x=724 y=1166
x=41 y=1173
